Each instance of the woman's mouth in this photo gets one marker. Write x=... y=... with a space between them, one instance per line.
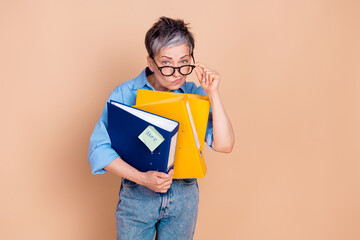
x=176 y=81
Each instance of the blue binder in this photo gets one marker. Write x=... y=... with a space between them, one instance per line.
x=126 y=123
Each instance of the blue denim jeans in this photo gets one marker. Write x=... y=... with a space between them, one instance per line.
x=141 y=212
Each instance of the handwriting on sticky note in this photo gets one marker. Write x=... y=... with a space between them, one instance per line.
x=151 y=138
x=151 y=135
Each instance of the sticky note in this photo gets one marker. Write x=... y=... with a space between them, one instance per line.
x=151 y=138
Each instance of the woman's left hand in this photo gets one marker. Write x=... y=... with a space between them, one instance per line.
x=223 y=134
x=209 y=79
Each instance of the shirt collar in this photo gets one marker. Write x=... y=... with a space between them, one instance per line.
x=142 y=81
x=182 y=88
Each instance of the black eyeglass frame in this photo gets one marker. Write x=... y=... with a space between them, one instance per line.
x=174 y=68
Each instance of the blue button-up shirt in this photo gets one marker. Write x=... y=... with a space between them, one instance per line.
x=101 y=153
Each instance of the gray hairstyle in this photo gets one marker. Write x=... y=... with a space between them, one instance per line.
x=166 y=33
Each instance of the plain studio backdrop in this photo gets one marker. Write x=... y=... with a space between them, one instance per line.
x=290 y=84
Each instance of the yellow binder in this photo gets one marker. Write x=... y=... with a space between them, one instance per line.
x=192 y=112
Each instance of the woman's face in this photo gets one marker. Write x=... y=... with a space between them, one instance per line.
x=174 y=56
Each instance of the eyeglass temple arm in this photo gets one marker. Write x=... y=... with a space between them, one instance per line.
x=192 y=55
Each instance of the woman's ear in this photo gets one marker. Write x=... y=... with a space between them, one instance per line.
x=150 y=63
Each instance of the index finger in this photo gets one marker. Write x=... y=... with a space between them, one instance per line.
x=201 y=65
x=162 y=175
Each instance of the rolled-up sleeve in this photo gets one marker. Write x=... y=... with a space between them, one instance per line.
x=101 y=153
x=209 y=131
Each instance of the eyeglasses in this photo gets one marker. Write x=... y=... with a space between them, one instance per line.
x=169 y=70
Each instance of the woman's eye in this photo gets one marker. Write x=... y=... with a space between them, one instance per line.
x=165 y=62
x=184 y=61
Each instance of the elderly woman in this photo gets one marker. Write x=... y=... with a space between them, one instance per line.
x=142 y=211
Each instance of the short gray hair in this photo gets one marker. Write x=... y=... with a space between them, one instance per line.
x=167 y=32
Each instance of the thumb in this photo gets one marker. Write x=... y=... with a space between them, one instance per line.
x=198 y=74
x=171 y=172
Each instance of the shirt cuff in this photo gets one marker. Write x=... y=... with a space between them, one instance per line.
x=209 y=138
x=100 y=158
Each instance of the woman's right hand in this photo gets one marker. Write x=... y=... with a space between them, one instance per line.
x=158 y=181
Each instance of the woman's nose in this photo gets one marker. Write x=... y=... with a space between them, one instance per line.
x=177 y=73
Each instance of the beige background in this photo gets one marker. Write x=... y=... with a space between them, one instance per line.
x=291 y=85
